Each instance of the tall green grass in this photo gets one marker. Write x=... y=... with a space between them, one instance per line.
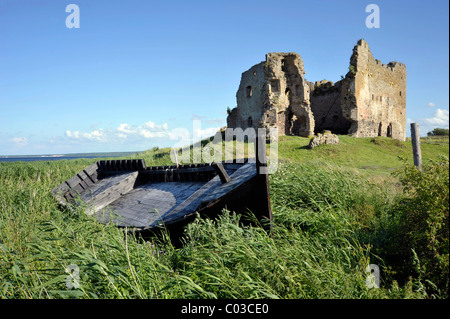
x=312 y=251
x=330 y=222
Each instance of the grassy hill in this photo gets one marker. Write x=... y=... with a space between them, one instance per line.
x=379 y=155
x=337 y=208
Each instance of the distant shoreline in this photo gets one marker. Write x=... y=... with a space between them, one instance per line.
x=101 y=154
x=53 y=157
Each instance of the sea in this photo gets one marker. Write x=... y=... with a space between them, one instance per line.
x=32 y=158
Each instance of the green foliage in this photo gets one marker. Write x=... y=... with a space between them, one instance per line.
x=352 y=69
x=439 y=132
x=229 y=260
x=316 y=187
x=425 y=222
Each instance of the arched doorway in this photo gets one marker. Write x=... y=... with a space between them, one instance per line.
x=250 y=121
x=389 y=130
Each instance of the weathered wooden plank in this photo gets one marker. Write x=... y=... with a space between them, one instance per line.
x=84 y=179
x=145 y=204
x=111 y=191
x=102 y=165
x=77 y=188
x=204 y=169
x=192 y=202
x=92 y=169
x=129 y=216
x=73 y=181
x=87 y=179
x=102 y=185
x=232 y=166
x=246 y=172
x=173 y=174
x=262 y=208
x=84 y=185
x=141 y=165
x=220 y=170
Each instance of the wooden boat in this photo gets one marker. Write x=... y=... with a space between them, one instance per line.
x=129 y=194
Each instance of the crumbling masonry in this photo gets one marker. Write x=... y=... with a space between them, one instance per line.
x=369 y=101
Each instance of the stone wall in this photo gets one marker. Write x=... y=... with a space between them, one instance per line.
x=376 y=95
x=369 y=101
x=251 y=98
x=274 y=93
x=326 y=107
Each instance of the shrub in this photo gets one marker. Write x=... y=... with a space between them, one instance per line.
x=424 y=223
x=352 y=69
x=438 y=132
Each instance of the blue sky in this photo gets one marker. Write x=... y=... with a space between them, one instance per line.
x=136 y=70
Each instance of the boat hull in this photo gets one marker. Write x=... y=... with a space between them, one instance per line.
x=128 y=194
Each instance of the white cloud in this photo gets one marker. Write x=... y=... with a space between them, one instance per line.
x=147 y=130
x=431 y=104
x=20 y=141
x=440 y=119
x=124 y=131
x=97 y=135
x=141 y=136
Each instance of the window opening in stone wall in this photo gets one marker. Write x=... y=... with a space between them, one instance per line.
x=373 y=97
x=289 y=126
x=287 y=93
x=250 y=121
x=381 y=99
x=249 y=91
x=380 y=129
x=275 y=86
x=283 y=65
x=302 y=124
x=400 y=93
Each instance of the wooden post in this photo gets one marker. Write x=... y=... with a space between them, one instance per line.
x=260 y=153
x=263 y=208
x=415 y=138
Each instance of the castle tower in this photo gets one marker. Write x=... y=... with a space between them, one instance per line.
x=274 y=93
x=373 y=96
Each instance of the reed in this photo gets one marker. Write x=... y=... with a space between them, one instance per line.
x=325 y=219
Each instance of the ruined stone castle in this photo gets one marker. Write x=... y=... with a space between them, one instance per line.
x=369 y=101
